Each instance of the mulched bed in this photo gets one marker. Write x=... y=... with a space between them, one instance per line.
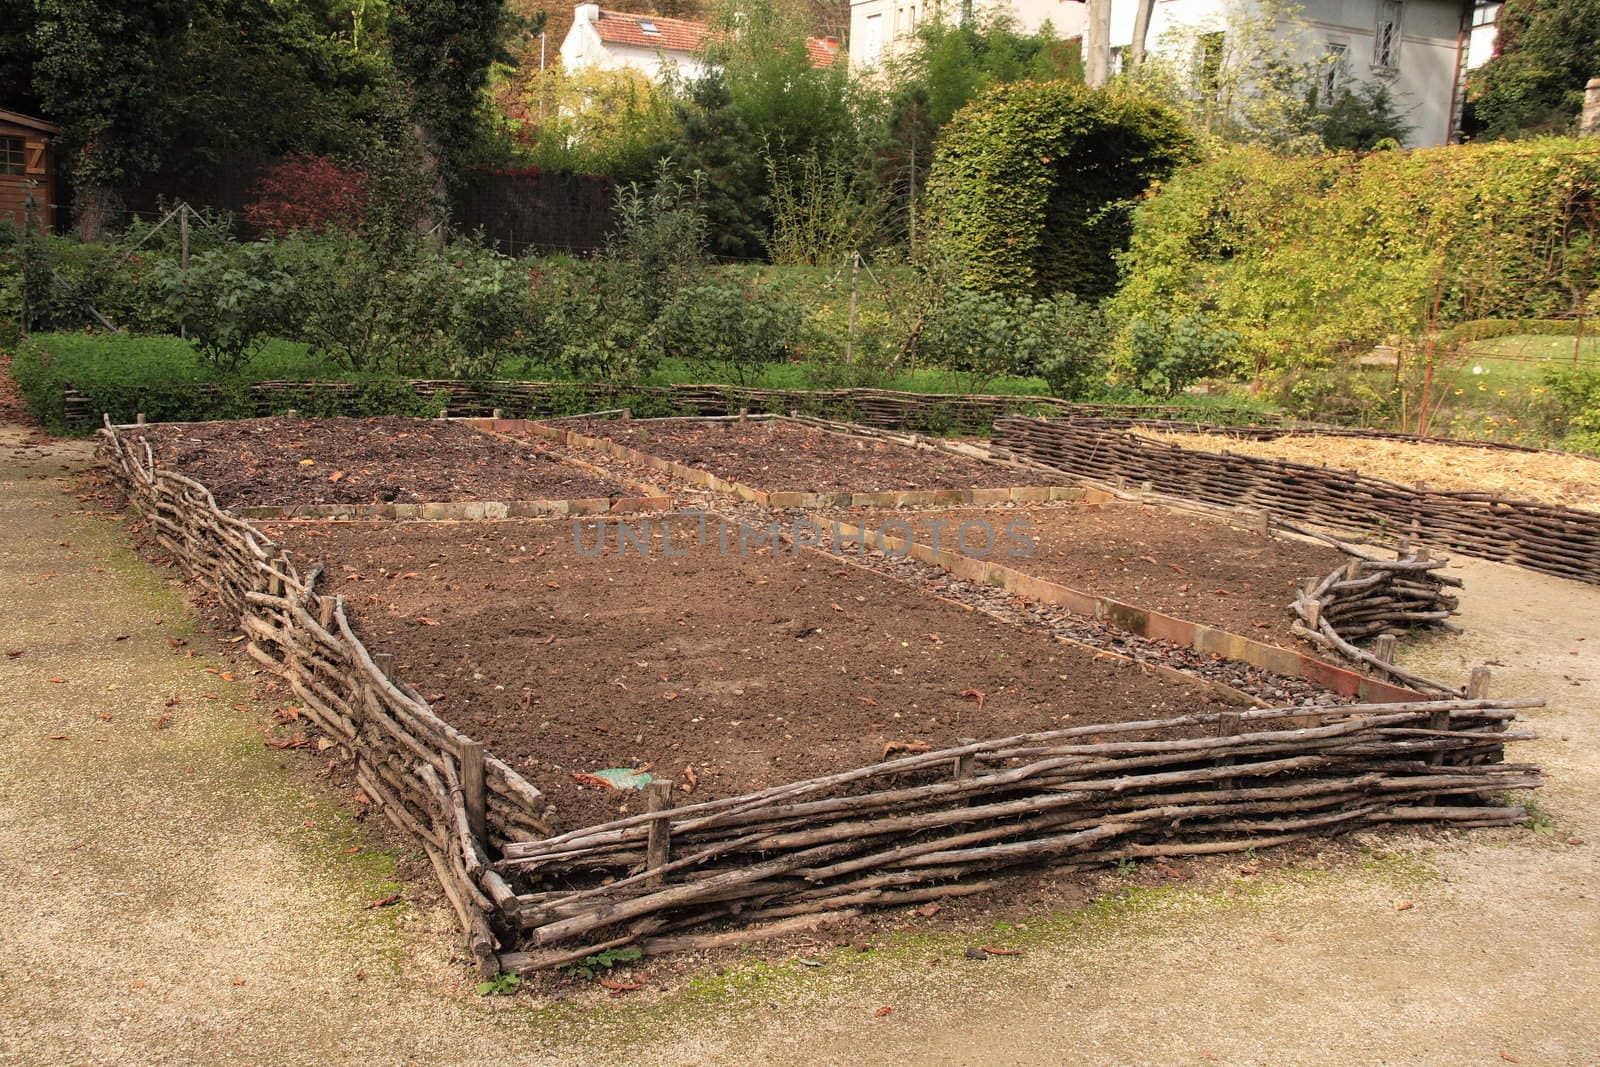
x=778 y=456
x=754 y=671
x=1166 y=561
x=366 y=461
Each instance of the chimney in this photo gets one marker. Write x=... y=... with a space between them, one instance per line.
x=1589 y=125
x=589 y=13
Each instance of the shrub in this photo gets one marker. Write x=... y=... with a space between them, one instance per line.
x=1165 y=353
x=1030 y=184
x=307 y=192
x=1067 y=344
x=732 y=328
x=978 y=335
x=229 y=301
x=1577 y=391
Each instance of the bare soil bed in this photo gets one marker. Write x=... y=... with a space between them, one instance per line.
x=1166 y=561
x=753 y=671
x=780 y=456
x=366 y=461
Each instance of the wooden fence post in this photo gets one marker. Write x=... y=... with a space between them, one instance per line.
x=1228 y=724
x=658 y=849
x=1383 y=648
x=474 y=792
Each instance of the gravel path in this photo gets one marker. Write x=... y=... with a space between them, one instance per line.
x=182 y=895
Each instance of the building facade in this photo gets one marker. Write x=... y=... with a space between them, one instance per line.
x=27 y=170
x=654 y=46
x=1418 y=49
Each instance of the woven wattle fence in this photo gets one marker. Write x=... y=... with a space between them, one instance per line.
x=920 y=827
x=1543 y=537
x=428 y=778
x=923 y=412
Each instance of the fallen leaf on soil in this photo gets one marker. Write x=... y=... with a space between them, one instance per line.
x=20 y=651
x=352 y=850
x=991 y=950
x=929 y=910
x=308 y=463
x=238 y=981
x=1404 y=905
x=105 y=716
x=881 y=1012
x=227 y=676
x=672 y=695
x=549 y=640
x=424 y=620
x=974 y=694
x=552 y=585
x=911 y=747
x=59 y=737
x=868 y=701
x=161 y=721
x=384 y=902
x=56 y=681
x=690 y=780
x=335 y=476
x=591 y=779
x=617 y=988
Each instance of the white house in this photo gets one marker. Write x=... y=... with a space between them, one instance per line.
x=651 y=44
x=1418 y=48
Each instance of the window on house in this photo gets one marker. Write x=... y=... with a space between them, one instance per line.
x=13 y=156
x=1332 y=75
x=873 y=46
x=1485 y=14
x=649 y=27
x=1210 y=73
x=1386 y=45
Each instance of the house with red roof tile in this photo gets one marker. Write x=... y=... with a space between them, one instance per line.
x=654 y=45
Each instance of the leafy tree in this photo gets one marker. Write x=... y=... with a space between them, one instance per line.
x=604 y=122
x=1545 y=51
x=103 y=69
x=1358 y=120
x=953 y=63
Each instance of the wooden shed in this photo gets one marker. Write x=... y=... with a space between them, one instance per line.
x=27 y=162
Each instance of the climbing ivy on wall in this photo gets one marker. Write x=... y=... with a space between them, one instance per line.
x=1032 y=182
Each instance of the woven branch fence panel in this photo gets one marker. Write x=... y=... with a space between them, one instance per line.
x=429 y=778
x=948 y=823
x=921 y=827
x=927 y=412
x=1542 y=537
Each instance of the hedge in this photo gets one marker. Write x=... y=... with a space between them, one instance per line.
x=1311 y=258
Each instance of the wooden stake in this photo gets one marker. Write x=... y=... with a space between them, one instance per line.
x=1384 y=648
x=658 y=848
x=1478 y=683
x=474 y=789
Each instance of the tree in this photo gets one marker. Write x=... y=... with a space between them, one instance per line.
x=1545 y=51
x=442 y=50
x=103 y=69
x=1359 y=120
x=714 y=143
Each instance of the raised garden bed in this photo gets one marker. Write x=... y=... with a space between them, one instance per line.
x=1183 y=565
x=785 y=463
x=753 y=669
x=386 y=467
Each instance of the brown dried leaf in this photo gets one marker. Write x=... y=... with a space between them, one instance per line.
x=335 y=476
x=881 y=1012
x=384 y=902
x=690 y=781
x=975 y=694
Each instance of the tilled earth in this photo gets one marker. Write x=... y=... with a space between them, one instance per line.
x=1175 y=563
x=752 y=668
x=366 y=461
x=789 y=457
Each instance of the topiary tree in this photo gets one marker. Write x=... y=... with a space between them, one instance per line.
x=1032 y=181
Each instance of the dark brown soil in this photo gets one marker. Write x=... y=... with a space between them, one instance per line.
x=1167 y=561
x=789 y=457
x=753 y=670
x=366 y=461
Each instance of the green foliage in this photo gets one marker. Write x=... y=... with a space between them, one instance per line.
x=716 y=146
x=954 y=63
x=823 y=209
x=601 y=962
x=501 y=985
x=1359 y=120
x=1070 y=342
x=1577 y=391
x=1545 y=51
x=1312 y=261
x=1163 y=354
x=229 y=301
x=982 y=336
x=732 y=329
x=1031 y=184
x=591 y=121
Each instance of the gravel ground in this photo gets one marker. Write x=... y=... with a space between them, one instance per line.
x=179 y=895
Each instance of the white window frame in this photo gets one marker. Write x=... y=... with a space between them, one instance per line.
x=1334 y=73
x=1391 y=18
